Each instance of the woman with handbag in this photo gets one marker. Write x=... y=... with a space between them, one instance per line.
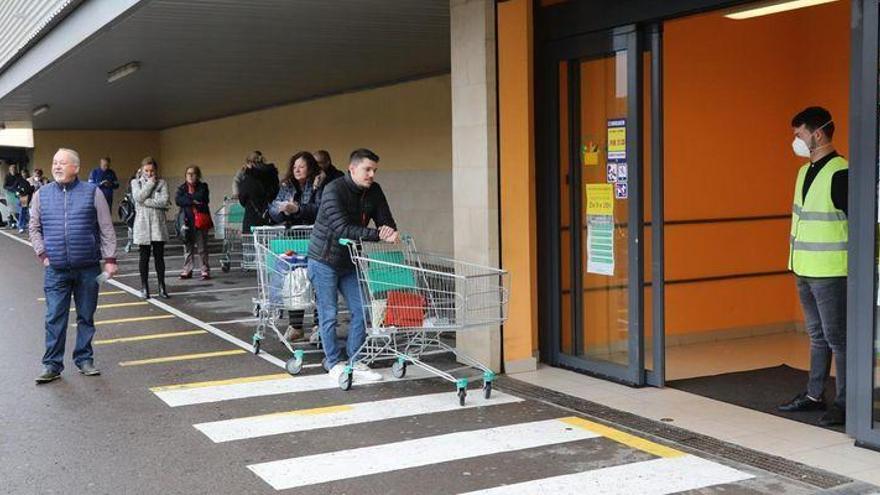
x=193 y=198
x=151 y=202
x=297 y=203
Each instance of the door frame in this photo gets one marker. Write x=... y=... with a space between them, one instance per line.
x=862 y=288
x=547 y=84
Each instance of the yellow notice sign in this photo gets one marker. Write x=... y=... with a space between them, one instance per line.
x=617 y=140
x=600 y=199
x=590 y=154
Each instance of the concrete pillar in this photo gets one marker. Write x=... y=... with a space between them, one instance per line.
x=475 y=153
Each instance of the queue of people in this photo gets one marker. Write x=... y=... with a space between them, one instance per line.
x=18 y=189
x=312 y=192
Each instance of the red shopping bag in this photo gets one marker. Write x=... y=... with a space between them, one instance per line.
x=405 y=309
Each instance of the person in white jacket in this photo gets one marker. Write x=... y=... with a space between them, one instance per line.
x=151 y=201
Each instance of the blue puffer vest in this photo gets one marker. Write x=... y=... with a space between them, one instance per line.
x=70 y=224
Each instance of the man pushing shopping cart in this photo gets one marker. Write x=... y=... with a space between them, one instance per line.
x=348 y=207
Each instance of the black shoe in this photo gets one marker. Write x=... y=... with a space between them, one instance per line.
x=145 y=293
x=835 y=416
x=48 y=375
x=802 y=403
x=163 y=293
x=88 y=368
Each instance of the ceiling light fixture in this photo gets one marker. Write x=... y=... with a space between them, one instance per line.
x=40 y=110
x=775 y=7
x=120 y=72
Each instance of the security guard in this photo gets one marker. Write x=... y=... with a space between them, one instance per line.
x=818 y=258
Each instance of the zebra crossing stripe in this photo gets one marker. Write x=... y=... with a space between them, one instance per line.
x=330 y=417
x=655 y=477
x=283 y=384
x=333 y=466
x=215 y=383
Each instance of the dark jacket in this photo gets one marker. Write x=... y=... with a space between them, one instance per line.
x=187 y=201
x=10 y=182
x=70 y=225
x=257 y=190
x=332 y=174
x=307 y=197
x=345 y=213
x=22 y=188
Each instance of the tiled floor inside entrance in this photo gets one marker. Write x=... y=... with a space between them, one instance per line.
x=742 y=354
x=799 y=442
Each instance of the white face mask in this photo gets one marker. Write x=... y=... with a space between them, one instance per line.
x=800 y=147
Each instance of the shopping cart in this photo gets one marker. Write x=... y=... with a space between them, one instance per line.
x=280 y=255
x=237 y=246
x=412 y=298
x=6 y=212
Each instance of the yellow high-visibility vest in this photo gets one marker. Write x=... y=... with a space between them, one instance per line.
x=819 y=231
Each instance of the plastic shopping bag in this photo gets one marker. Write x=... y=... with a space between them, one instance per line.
x=378 y=307
x=297 y=290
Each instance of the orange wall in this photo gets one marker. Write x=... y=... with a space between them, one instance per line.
x=517 y=176
x=730 y=90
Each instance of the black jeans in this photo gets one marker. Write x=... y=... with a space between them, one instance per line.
x=824 y=304
x=158 y=249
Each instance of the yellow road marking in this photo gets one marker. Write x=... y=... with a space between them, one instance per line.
x=117 y=305
x=231 y=381
x=130 y=320
x=185 y=357
x=624 y=438
x=107 y=293
x=307 y=412
x=148 y=337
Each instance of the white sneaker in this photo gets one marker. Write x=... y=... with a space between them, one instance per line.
x=337 y=370
x=363 y=372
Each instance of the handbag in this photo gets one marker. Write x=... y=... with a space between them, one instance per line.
x=203 y=220
x=183 y=230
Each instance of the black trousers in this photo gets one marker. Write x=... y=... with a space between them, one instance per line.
x=158 y=250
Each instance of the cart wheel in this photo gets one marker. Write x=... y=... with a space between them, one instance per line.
x=224 y=266
x=462 y=394
x=345 y=380
x=256 y=310
x=398 y=369
x=487 y=390
x=294 y=365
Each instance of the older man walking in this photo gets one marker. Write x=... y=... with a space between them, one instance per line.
x=71 y=230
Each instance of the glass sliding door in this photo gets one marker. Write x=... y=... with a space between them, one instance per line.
x=597 y=85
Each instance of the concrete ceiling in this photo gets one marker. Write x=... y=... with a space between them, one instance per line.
x=202 y=59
